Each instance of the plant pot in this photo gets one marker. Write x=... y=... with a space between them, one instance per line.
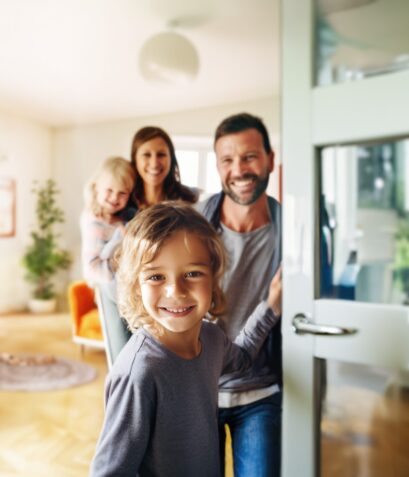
x=36 y=305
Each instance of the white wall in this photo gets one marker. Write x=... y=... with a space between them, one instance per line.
x=32 y=151
x=25 y=152
x=78 y=151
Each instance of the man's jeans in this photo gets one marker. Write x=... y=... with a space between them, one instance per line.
x=256 y=437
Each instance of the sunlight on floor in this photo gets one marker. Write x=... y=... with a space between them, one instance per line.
x=52 y=433
x=49 y=433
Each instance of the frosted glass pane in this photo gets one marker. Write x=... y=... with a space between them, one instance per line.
x=360 y=38
x=364 y=222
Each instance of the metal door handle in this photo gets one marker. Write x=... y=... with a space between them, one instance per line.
x=302 y=325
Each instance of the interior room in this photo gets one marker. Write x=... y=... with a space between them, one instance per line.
x=329 y=79
x=79 y=96
x=78 y=79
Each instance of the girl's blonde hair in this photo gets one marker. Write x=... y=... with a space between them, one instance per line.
x=121 y=171
x=145 y=236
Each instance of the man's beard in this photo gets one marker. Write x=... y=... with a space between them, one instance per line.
x=260 y=188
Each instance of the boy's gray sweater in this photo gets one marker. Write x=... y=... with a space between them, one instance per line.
x=161 y=409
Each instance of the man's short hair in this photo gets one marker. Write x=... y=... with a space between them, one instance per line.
x=240 y=122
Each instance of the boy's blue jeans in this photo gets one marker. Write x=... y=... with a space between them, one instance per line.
x=256 y=437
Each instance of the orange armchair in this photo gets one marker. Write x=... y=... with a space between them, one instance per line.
x=86 y=328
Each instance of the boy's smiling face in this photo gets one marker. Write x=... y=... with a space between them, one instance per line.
x=176 y=286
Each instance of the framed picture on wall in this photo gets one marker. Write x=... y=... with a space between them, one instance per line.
x=7 y=207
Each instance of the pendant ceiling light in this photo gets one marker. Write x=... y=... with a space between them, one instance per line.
x=168 y=58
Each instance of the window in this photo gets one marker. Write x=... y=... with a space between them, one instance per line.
x=189 y=167
x=197 y=164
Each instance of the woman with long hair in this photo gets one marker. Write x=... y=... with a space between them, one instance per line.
x=157 y=171
x=155 y=174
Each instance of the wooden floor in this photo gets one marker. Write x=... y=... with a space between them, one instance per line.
x=53 y=433
x=366 y=434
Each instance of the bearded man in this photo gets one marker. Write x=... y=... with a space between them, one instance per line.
x=249 y=222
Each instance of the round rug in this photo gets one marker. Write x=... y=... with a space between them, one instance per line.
x=38 y=372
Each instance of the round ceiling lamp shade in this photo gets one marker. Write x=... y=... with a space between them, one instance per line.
x=168 y=58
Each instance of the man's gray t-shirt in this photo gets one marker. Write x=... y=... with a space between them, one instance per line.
x=254 y=257
x=247 y=279
x=246 y=285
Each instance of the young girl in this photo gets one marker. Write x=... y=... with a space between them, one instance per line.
x=161 y=395
x=107 y=208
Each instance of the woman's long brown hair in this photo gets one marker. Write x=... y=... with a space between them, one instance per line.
x=172 y=187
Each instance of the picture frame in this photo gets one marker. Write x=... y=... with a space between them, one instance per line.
x=7 y=207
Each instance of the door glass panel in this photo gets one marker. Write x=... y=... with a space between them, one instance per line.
x=360 y=38
x=364 y=222
x=364 y=429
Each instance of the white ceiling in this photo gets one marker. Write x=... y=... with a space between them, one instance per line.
x=67 y=62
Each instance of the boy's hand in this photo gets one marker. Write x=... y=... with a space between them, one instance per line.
x=274 y=294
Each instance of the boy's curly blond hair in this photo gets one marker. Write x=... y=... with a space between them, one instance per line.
x=145 y=235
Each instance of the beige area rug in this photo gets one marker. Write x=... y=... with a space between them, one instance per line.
x=23 y=372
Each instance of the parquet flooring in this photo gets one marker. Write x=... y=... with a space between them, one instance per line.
x=365 y=433
x=53 y=433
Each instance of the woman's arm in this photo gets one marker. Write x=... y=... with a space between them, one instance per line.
x=95 y=259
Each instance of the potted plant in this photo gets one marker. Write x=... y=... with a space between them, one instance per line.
x=43 y=258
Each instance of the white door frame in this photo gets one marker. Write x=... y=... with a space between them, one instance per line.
x=372 y=108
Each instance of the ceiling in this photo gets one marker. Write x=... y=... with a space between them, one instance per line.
x=70 y=62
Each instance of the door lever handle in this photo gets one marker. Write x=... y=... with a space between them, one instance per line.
x=302 y=325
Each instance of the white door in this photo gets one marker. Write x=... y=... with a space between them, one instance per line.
x=345 y=155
